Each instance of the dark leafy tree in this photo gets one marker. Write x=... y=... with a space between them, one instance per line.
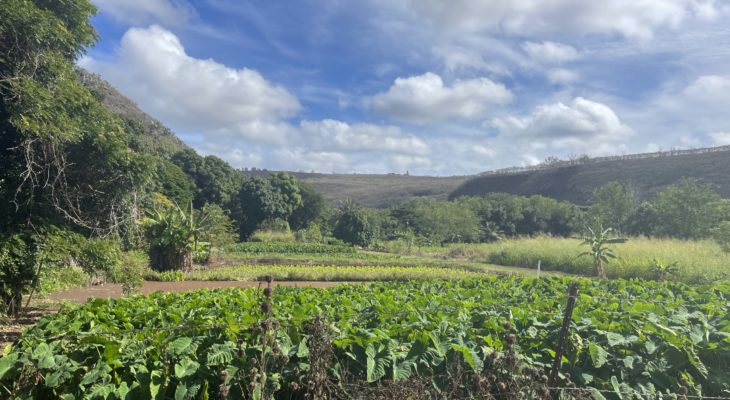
x=688 y=209
x=353 y=226
x=312 y=208
x=260 y=201
x=64 y=158
x=172 y=182
x=615 y=205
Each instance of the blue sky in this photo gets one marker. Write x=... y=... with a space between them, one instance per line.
x=433 y=87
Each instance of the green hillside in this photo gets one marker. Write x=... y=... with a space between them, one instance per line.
x=647 y=174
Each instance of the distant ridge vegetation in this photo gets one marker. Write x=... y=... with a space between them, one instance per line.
x=575 y=180
x=149 y=132
x=571 y=180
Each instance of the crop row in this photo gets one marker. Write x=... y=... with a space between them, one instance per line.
x=627 y=336
x=337 y=273
x=289 y=248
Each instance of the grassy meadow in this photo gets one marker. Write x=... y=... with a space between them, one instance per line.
x=696 y=261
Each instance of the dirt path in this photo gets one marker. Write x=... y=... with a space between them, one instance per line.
x=79 y=295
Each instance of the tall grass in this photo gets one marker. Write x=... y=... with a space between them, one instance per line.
x=697 y=261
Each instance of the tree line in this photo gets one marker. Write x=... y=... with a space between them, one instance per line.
x=688 y=209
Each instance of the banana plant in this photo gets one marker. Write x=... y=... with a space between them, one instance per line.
x=598 y=240
x=172 y=234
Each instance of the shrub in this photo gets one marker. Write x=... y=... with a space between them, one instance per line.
x=18 y=271
x=131 y=271
x=100 y=257
x=312 y=234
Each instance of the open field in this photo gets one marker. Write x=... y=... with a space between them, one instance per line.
x=634 y=338
x=696 y=261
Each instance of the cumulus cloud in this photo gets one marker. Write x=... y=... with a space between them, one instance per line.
x=426 y=99
x=627 y=18
x=191 y=94
x=551 y=52
x=341 y=136
x=168 y=12
x=581 y=125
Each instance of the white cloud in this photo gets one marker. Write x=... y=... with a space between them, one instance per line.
x=137 y=12
x=551 y=52
x=341 y=136
x=531 y=18
x=562 y=76
x=425 y=99
x=194 y=95
x=710 y=88
x=581 y=126
x=720 y=138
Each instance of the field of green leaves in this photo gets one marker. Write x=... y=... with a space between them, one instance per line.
x=690 y=261
x=329 y=273
x=464 y=338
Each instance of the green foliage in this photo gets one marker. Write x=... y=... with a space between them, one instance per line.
x=267 y=200
x=311 y=234
x=174 y=183
x=216 y=229
x=172 y=276
x=311 y=210
x=283 y=248
x=100 y=257
x=172 y=235
x=598 y=240
x=439 y=222
x=131 y=271
x=163 y=344
x=688 y=209
x=613 y=204
x=663 y=271
x=721 y=234
x=353 y=227
x=63 y=157
x=215 y=180
x=18 y=271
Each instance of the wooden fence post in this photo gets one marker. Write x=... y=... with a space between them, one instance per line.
x=572 y=296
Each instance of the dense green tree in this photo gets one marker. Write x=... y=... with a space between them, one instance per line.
x=312 y=208
x=353 y=226
x=172 y=182
x=64 y=158
x=688 y=209
x=438 y=221
x=288 y=188
x=613 y=205
x=216 y=181
x=260 y=201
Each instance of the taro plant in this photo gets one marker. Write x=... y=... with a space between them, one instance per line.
x=598 y=240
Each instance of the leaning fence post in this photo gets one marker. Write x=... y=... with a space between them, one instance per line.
x=572 y=296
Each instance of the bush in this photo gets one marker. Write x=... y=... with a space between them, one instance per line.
x=131 y=271
x=312 y=234
x=53 y=280
x=272 y=236
x=18 y=272
x=100 y=257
